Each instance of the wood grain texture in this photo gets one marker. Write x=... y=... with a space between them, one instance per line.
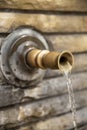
x=44 y=22
x=46 y=89
x=57 y=5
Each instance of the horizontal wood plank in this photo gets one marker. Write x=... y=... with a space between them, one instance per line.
x=44 y=22
x=57 y=5
x=46 y=89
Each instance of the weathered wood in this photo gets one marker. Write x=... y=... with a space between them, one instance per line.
x=58 y=123
x=47 y=88
x=44 y=22
x=62 y=5
x=73 y=43
x=41 y=109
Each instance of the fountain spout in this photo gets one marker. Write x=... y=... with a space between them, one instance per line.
x=24 y=51
x=50 y=59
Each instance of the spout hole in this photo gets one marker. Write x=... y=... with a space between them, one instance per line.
x=65 y=61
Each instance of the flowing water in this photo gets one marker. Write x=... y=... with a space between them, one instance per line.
x=66 y=70
x=71 y=99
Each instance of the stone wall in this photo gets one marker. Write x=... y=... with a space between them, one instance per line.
x=45 y=106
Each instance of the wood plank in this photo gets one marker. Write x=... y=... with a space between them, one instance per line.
x=10 y=95
x=44 y=22
x=63 y=122
x=73 y=43
x=57 y=5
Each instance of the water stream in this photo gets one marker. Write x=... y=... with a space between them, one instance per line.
x=71 y=99
x=67 y=71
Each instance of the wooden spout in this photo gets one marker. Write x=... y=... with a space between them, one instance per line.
x=45 y=59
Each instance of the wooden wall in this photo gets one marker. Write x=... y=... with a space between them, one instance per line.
x=45 y=107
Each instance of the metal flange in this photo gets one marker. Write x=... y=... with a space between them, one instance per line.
x=13 y=66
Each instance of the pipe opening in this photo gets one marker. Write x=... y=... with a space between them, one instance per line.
x=65 y=61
